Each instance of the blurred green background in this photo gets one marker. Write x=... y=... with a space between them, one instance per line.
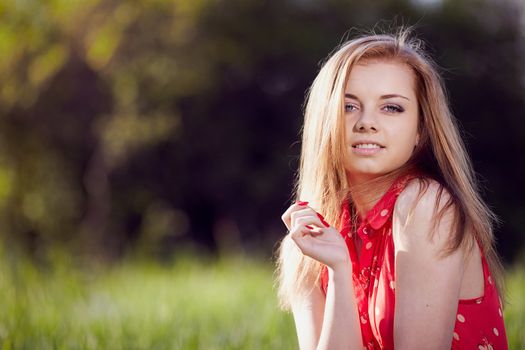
x=148 y=150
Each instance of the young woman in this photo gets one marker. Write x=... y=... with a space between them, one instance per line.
x=390 y=244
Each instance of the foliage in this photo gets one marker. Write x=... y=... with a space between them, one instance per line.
x=154 y=124
x=186 y=304
x=191 y=304
x=515 y=308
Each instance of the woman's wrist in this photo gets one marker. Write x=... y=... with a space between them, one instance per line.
x=343 y=268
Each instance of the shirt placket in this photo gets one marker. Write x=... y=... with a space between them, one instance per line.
x=362 y=277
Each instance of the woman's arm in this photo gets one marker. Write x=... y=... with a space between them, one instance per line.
x=332 y=323
x=427 y=285
x=341 y=329
x=308 y=316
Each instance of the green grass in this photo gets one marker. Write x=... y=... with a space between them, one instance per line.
x=190 y=304
x=514 y=312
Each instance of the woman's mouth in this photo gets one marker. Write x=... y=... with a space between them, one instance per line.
x=367 y=149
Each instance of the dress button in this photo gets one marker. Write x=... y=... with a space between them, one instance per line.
x=392 y=285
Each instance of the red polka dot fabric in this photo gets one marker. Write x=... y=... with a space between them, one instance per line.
x=479 y=321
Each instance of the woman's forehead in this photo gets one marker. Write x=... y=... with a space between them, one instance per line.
x=382 y=78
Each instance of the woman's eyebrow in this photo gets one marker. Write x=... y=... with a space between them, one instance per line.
x=384 y=97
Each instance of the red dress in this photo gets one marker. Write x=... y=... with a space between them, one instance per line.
x=479 y=321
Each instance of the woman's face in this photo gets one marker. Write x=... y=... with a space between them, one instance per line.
x=381 y=119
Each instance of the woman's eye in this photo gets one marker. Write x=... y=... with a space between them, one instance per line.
x=394 y=109
x=349 y=108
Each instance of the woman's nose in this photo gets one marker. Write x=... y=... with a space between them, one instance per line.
x=366 y=123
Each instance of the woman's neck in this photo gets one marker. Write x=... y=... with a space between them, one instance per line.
x=366 y=192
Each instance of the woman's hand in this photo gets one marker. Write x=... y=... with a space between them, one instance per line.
x=315 y=237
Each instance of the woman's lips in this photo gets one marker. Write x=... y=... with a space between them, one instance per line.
x=366 y=150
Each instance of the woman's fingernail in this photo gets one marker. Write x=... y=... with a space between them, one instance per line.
x=308 y=226
x=301 y=203
x=323 y=220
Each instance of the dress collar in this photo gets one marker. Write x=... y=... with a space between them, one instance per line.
x=379 y=214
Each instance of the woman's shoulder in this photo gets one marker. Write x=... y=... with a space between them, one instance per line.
x=421 y=195
x=424 y=208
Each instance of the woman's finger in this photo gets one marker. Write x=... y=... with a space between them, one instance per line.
x=323 y=221
x=305 y=239
x=300 y=213
x=287 y=216
x=306 y=217
x=314 y=231
x=298 y=235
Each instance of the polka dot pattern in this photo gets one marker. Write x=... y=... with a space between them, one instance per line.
x=477 y=325
x=392 y=285
x=364 y=319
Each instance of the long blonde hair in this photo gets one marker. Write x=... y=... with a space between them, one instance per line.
x=440 y=153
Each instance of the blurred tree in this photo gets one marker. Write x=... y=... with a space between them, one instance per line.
x=161 y=124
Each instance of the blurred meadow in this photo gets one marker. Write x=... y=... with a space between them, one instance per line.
x=191 y=304
x=148 y=150
x=226 y=303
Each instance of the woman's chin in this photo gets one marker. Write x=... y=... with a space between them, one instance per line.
x=361 y=175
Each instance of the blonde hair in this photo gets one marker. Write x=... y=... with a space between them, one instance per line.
x=440 y=153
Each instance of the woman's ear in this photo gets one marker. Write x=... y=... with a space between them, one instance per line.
x=417 y=139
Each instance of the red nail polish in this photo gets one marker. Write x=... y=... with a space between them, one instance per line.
x=323 y=220
x=301 y=203
x=308 y=226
